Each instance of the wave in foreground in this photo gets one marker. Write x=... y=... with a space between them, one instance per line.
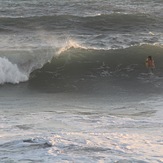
x=74 y=61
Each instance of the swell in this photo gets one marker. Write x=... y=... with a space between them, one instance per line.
x=115 y=21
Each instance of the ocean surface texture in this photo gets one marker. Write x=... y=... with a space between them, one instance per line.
x=73 y=83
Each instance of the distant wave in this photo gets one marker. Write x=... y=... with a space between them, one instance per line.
x=97 y=22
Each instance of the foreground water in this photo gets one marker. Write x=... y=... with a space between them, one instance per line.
x=77 y=127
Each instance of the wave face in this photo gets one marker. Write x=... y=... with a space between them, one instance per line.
x=81 y=62
x=84 y=69
x=76 y=63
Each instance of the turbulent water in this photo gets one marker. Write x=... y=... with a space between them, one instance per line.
x=73 y=81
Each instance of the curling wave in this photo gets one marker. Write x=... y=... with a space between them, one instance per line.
x=75 y=62
x=81 y=59
x=78 y=68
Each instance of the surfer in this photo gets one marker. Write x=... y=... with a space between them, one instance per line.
x=150 y=64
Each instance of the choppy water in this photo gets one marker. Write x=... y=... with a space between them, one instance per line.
x=74 y=87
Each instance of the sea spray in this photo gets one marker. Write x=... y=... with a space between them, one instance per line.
x=10 y=73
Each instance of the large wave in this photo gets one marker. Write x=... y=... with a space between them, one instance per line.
x=16 y=64
x=81 y=62
x=75 y=61
x=100 y=71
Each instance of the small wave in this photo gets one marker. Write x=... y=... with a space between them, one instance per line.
x=96 y=22
x=27 y=144
x=40 y=142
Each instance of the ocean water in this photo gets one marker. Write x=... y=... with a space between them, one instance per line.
x=73 y=83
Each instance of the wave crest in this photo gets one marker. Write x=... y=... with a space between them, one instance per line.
x=70 y=44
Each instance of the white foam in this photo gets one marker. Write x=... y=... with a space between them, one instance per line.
x=10 y=73
x=70 y=43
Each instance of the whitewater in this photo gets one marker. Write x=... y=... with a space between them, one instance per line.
x=73 y=81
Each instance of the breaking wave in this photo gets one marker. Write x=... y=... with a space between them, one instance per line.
x=74 y=61
x=77 y=60
x=10 y=73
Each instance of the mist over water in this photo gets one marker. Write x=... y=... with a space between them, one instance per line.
x=73 y=81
